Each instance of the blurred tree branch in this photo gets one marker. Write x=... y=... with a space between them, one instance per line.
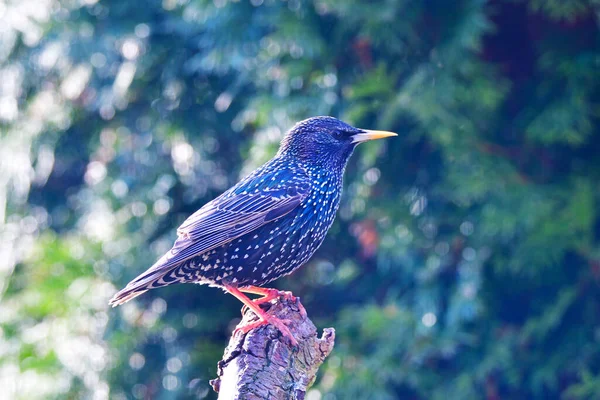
x=263 y=365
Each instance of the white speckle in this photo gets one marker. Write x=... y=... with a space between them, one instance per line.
x=429 y=319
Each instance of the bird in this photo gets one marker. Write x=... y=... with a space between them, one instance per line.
x=267 y=225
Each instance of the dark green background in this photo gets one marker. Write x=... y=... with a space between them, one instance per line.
x=465 y=259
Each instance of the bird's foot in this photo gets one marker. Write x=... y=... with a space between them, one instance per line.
x=263 y=317
x=272 y=294
x=283 y=294
x=266 y=319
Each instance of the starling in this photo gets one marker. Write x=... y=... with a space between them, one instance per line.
x=267 y=225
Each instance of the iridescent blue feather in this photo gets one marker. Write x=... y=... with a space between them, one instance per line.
x=268 y=224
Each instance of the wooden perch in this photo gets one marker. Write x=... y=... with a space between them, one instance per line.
x=262 y=364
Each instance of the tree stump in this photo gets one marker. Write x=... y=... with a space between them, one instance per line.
x=262 y=364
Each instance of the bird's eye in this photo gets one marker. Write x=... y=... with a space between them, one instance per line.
x=339 y=135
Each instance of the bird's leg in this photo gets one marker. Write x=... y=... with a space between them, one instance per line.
x=271 y=294
x=264 y=318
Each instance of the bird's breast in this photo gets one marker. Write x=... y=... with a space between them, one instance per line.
x=295 y=237
x=278 y=247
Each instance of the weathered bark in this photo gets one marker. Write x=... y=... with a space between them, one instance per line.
x=262 y=364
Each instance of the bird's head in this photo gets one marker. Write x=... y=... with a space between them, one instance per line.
x=326 y=141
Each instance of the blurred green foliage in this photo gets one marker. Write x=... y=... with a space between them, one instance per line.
x=465 y=261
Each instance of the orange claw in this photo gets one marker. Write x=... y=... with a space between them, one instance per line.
x=276 y=322
x=264 y=318
x=271 y=294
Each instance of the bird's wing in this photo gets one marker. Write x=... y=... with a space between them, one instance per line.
x=233 y=217
x=228 y=217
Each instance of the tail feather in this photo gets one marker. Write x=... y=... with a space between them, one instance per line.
x=154 y=277
x=125 y=295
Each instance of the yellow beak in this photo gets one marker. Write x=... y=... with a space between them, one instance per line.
x=371 y=135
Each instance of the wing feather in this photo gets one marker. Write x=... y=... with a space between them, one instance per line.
x=247 y=206
x=225 y=219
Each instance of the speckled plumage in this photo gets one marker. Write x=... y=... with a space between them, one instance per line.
x=268 y=224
